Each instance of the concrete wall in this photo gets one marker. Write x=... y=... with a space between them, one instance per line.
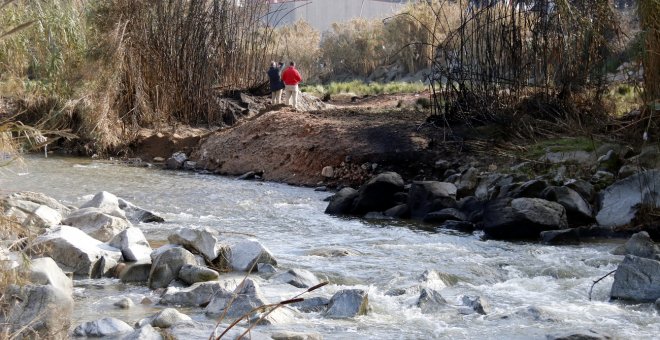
x=323 y=13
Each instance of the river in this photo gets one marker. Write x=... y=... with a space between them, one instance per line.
x=533 y=290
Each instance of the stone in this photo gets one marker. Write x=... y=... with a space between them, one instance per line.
x=467 y=182
x=124 y=303
x=202 y=240
x=102 y=328
x=135 y=272
x=44 y=271
x=328 y=172
x=266 y=268
x=247 y=176
x=609 y=162
x=299 y=278
x=245 y=254
x=133 y=245
x=640 y=244
x=39 y=312
x=74 y=250
x=197 y=295
x=486 y=186
x=146 y=332
x=477 y=304
x=561 y=237
x=398 y=211
x=522 y=218
x=447 y=214
x=637 y=279
x=104 y=267
x=620 y=202
x=580 y=157
x=136 y=214
x=189 y=165
x=342 y=202
x=578 y=335
x=428 y=196
x=531 y=189
x=158 y=159
x=106 y=203
x=462 y=226
x=166 y=265
x=288 y=335
x=430 y=301
x=348 y=303
x=602 y=178
x=376 y=216
x=648 y=158
x=378 y=193
x=166 y=318
x=96 y=223
x=41 y=199
x=176 y=161
x=442 y=165
x=191 y=274
x=582 y=187
x=578 y=211
x=627 y=171
x=243 y=300
x=309 y=305
x=31 y=215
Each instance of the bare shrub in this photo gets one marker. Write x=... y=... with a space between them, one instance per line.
x=355 y=48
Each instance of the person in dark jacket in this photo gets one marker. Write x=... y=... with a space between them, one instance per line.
x=276 y=84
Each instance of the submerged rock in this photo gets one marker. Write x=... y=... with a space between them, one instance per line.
x=477 y=304
x=102 y=328
x=637 y=279
x=348 y=303
x=300 y=278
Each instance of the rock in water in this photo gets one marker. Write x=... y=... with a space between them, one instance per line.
x=239 y=303
x=166 y=318
x=136 y=214
x=102 y=328
x=428 y=196
x=176 y=161
x=315 y=304
x=124 y=303
x=478 y=304
x=45 y=271
x=134 y=246
x=579 y=335
x=300 y=278
x=166 y=265
x=96 y=223
x=620 y=202
x=342 y=202
x=641 y=244
x=203 y=240
x=348 y=303
x=378 y=193
x=146 y=332
x=199 y=294
x=637 y=279
x=191 y=274
x=522 y=218
x=245 y=254
x=561 y=237
x=430 y=301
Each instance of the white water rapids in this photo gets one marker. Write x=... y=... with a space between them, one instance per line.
x=533 y=290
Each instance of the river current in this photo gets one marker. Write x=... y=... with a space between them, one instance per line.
x=533 y=290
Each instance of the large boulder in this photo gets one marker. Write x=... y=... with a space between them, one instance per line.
x=522 y=218
x=236 y=304
x=97 y=223
x=203 y=241
x=102 y=328
x=640 y=244
x=378 y=193
x=245 y=254
x=488 y=185
x=30 y=214
x=74 y=251
x=300 y=278
x=165 y=265
x=620 y=201
x=428 y=196
x=135 y=272
x=531 y=189
x=39 y=312
x=133 y=245
x=637 y=279
x=578 y=211
x=342 y=202
x=106 y=203
x=41 y=199
x=199 y=294
x=45 y=271
x=191 y=274
x=136 y=214
x=348 y=303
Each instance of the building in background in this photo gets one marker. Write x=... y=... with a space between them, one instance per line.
x=321 y=14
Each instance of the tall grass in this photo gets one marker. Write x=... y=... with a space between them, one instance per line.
x=360 y=88
x=300 y=43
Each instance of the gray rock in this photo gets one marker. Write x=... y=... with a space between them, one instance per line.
x=247 y=176
x=578 y=211
x=39 y=312
x=134 y=246
x=398 y=211
x=627 y=171
x=378 y=193
x=579 y=157
x=531 y=189
x=243 y=300
x=136 y=214
x=602 y=178
x=266 y=268
x=106 y=203
x=176 y=161
x=657 y=304
x=102 y=328
x=477 y=304
x=189 y=165
x=486 y=186
x=199 y=294
x=135 y=272
x=96 y=223
x=166 y=265
x=45 y=271
x=609 y=162
x=288 y=335
x=124 y=303
x=582 y=187
x=428 y=196
x=447 y=214
x=328 y=172
x=31 y=215
x=640 y=244
x=203 y=241
x=342 y=202
x=41 y=199
x=191 y=274
x=245 y=254
x=104 y=267
x=467 y=182
x=430 y=301
x=74 y=250
x=648 y=158
x=620 y=202
x=522 y=218
x=300 y=278
x=561 y=237
x=146 y=332
x=166 y=318
x=309 y=305
x=332 y=252
x=348 y=303
x=462 y=226
x=578 y=335
x=376 y=216
x=637 y=279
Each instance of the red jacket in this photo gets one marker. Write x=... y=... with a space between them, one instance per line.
x=290 y=76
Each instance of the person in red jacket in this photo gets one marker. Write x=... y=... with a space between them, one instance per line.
x=291 y=78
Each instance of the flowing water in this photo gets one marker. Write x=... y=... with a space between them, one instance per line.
x=533 y=290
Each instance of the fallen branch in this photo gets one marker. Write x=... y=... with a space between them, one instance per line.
x=592 y=286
